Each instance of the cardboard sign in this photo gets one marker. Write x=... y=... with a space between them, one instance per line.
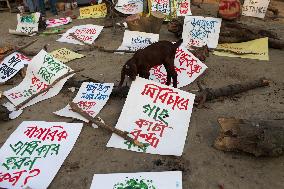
x=183 y=7
x=42 y=71
x=34 y=153
x=199 y=31
x=65 y=55
x=155 y=115
x=88 y=33
x=255 y=49
x=129 y=6
x=187 y=66
x=11 y=65
x=91 y=98
x=28 y=24
x=54 y=22
x=142 y=180
x=134 y=40
x=94 y=11
x=255 y=8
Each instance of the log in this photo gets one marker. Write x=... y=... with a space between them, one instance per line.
x=257 y=137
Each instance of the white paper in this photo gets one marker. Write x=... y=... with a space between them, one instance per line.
x=11 y=65
x=155 y=115
x=187 y=66
x=28 y=24
x=199 y=31
x=134 y=40
x=54 y=22
x=183 y=8
x=37 y=149
x=91 y=98
x=164 y=6
x=88 y=33
x=129 y=6
x=255 y=8
x=153 y=180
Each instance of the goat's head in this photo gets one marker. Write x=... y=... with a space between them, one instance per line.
x=130 y=69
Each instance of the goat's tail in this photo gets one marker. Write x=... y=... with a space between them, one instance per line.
x=178 y=43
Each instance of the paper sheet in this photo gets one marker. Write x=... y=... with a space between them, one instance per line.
x=65 y=55
x=255 y=8
x=129 y=6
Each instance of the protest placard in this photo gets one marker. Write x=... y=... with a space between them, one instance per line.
x=183 y=7
x=54 y=22
x=28 y=23
x=34 y=153
x=65 y=55
x=255 y=49
x=129 y=6
x=187 y=66
x=11 y=65
x=142 y=180
x=199 y=31
x=255 y=8
x=134 y=40
x=87 y=33
x=94 y=11
x=91 y=98
x=156 y=115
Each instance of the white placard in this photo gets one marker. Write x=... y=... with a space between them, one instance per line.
x=187 y=66
x=164 y=6
x=34 y=153
x=88 y=33
x=255 y=8
x=28 y=23
x=134 y=40
x=199 y=31
x=11 y=65
x=129 y=6
x=54 y=22
x=155 y=115
x=142 y=180
x=183 y=8
x=91 y=98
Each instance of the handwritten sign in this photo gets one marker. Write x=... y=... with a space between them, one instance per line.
x=65 y=55
x=28 y=24
x=54 y=22
x=255 y=8
x=155 y=115
x=183 y=7
x=95 y=11
x=88 y=33
x=134 y=40
x=199 y=31
x=142 y=180
x=187 y=66
x=11 y=65
x=163 y=6
x=255 y=49
x=91 y=98
x=129 y=6
x=34 y=153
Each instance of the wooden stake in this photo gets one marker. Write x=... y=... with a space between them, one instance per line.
x=96 y=121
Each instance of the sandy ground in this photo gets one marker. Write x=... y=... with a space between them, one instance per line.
x=203 y=166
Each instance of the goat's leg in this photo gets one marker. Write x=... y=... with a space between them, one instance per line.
x=122 y=77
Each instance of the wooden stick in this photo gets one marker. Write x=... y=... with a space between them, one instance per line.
x=234 y=52
x=120 y=133
x=46 y=89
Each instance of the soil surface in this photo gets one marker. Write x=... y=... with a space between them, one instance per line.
x=203 y=166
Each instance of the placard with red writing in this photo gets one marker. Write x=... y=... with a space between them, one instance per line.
x=54 y=22
x=183 y=7
x=156 y=115
x=34 y=153
x=129 y=6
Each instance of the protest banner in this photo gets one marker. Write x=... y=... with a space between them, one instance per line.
x=54 y=22
x=28 y=24
x=142 y=180
x=65 y=55
x=155 y=115
x=94 y=11
x=255 y=8
x=91 y=98
x=167 y=7
x=35 y=151
x=134 y=40
x=129 y=6
x=183 y=7
x=255 y=49
x=87 y=33
x=187 y=66
x=199 y=31
x=11 y=65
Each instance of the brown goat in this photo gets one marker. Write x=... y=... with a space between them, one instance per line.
x=162 y=52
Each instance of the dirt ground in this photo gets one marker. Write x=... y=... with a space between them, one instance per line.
x=203 y=166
